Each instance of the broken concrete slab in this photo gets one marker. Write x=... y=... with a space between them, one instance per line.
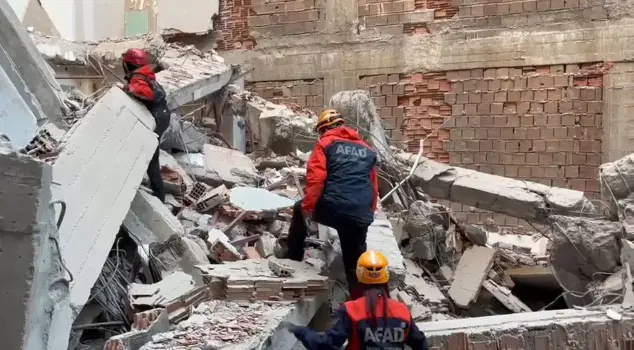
x=149 y=220
x=277 y=128
x=36 y=289
x=504 y=296
x=160 y=294
x=583 y=251
x=101 y=163
x=521 y=199
x=425 y=292
x=182 y=135
x=180 y=253
x=30 y=74
x=228 y=167
x=190 y=75
x=168 y=161
x=471 y=272
x=258 y=199
x=543 y=330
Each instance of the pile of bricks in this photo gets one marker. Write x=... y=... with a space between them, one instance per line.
x=412 y=108
x=284 y=17
x=255 y=280
x=233 y=25
x=305 y=93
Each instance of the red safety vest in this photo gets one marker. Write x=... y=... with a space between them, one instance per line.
x=397 y=312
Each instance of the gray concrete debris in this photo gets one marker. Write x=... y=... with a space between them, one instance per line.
x=160 y=294
x=36 y=290
x=617 y=178
x=265 y=245
x=521 y=199
x=257 y=199
x=182 y=135
x=358 y=109
x=424 y=225
x=218 y=165
x=168 y=161
x=278 y=128
x=504 y=296
x=471 y=272
x=146 y=325
x=180 y=253
x=476 y=234
x=583 y=251
x=224 y=325
x=149 y=220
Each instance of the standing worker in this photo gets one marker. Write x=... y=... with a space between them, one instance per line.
x=142 y=85
x=341 y=192
x=373 y=321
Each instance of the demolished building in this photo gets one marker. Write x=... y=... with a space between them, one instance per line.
x=202 y=269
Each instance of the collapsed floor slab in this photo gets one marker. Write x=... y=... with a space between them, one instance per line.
x=34 y=284
x=149 y=220
x=521 y=199
x=100 y=166
x=561 y=329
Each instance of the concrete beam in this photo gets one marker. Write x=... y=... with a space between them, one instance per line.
x=32 y=289
x=29 y=64
x=531 y=330
x=150 y=221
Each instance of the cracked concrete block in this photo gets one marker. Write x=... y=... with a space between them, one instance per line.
x=183 y=136
x=228 y=167
x=471 y=272
x=151 y=221
x=101 y=163
x=33 y=294
x=617 y=178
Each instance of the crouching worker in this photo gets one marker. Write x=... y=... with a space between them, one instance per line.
x=373 y=321
x=142 y=85
x=341 y=192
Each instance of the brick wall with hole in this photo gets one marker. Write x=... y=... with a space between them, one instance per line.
x=412 y=108
x=304 y=93
x=541 y=124
x=233 y=26
x=410 y=14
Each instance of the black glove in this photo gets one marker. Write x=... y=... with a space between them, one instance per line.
x=291 y=327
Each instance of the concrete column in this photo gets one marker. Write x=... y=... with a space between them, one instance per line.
x=27 y=62
x=32 y=289
x=618 y=109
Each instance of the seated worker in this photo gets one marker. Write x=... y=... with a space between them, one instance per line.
x=341 y=192
x=142 y=85
x=373 y=321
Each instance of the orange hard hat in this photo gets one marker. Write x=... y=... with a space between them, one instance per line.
x=372 y=268
x=327 y=118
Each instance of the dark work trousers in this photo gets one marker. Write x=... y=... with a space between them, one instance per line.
x=154 y=173
x=351 y=235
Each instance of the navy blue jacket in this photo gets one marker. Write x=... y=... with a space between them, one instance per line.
x=341 y=177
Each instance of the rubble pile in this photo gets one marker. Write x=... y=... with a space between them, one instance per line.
x=206 y=269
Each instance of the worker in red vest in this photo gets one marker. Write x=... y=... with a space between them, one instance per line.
x=373 y=321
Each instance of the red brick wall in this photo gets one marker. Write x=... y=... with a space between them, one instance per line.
x=409 y=13
x=541 y=124
x=284 y=17
x=305 y=93
x=412 y=107
x=233 y=26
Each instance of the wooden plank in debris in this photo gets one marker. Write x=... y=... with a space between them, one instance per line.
x=504 y=296
x=471 y=272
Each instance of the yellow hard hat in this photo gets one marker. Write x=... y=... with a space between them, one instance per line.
x=372 y=268
x=327 y=118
